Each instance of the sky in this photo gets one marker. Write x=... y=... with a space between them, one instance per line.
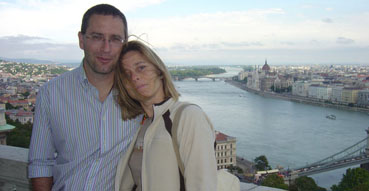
x=193 y=32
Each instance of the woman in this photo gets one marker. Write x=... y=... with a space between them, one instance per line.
x=145 y=87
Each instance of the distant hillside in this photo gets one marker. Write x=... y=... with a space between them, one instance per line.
x=28 y=60
x=36 y=61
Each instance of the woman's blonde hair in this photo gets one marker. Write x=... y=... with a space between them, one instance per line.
x=130 y=107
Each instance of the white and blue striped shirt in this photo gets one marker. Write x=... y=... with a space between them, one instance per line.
x=88 y=136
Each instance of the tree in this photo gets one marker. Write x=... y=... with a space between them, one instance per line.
x=26 y=94
x=261 y=163
x=356 y=179
x=306 y=184
x=274 y=181
x=20 y=136
x=235 y=169
x=9 y=106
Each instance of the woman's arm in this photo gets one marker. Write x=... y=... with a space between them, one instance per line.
x=196 y=147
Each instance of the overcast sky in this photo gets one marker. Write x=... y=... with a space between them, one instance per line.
x=197 y=32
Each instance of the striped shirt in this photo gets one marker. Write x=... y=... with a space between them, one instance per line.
x=76 y=138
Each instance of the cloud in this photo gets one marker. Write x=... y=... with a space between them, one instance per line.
x=208 y=28
x=48 y=30
x=38 y=47
x=343 y=40
x=59 y=20
x=328 y=9
x=327 y=20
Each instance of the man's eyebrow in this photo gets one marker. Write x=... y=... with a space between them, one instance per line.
x=96 y=33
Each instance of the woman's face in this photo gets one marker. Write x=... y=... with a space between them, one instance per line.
x=145 y=80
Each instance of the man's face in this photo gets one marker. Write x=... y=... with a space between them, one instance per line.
x=101 y=43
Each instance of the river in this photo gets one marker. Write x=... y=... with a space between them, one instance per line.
x=289 y=134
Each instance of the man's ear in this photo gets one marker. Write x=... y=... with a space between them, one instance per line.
x=81 y=40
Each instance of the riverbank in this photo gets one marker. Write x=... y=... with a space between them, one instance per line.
x=298 y=99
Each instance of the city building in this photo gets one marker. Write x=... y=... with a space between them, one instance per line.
x=242 y=75
x=349 y=95
x=300 y=88
x=313 y=91
x=337 y=94
x=324 y=92
x=20 y=115
x=363 y=98
x=225 y=150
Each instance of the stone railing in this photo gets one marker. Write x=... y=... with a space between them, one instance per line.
x=13 y=169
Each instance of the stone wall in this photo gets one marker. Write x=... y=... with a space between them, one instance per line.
x=13 y=168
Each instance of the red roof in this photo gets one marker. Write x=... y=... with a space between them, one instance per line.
x=19 y=101
x=220 y=136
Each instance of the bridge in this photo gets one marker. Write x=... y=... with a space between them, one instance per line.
x=212 y=77
x=353 y=155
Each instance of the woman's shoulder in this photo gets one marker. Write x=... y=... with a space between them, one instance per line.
x=187 y=108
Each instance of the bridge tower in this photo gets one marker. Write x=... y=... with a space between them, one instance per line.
x=366 y=165
x=367 y=143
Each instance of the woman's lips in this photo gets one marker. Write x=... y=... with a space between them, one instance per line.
x=138 y=87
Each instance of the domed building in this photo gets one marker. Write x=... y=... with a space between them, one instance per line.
x=266 y=67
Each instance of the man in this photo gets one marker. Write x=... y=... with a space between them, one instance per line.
x=78 y=135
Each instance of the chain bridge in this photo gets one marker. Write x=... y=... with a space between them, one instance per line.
x=353 y=155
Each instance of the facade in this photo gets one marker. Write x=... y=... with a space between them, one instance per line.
x=20 y=115
x=337 y=94
x=363 y=98
x=225 y=151
x=266 y=84
x=242 y=75
x=349 y=95
x=313 y=91
x=300 y=88
x=19 y=103
x=324 y=92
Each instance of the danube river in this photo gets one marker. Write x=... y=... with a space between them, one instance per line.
x=289 y=134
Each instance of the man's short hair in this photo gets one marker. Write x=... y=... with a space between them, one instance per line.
x=103 y=9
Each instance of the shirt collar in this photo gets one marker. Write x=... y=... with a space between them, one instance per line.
x=82 y=75
x=161 y=108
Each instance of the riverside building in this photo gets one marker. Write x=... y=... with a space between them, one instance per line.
x=225 y=150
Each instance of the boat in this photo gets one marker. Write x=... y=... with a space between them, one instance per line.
x=333 y=117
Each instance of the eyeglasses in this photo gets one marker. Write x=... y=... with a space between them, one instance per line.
x=99 y=39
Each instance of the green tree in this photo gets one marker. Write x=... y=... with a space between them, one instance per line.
x=274 y=181
x=25 y=94
x=20 y=136
x=305 y=183
x=9 y=106
x=261 y=163
x=235 y=169
x=356 y=179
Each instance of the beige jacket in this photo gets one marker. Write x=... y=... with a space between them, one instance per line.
x=159 y=164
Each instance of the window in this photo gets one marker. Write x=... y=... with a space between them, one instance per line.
x=231 y=159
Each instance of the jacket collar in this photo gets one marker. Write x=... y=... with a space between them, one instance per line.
x=161 y=108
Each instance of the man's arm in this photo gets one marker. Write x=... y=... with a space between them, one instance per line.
x=41 y=151
x=42 y=184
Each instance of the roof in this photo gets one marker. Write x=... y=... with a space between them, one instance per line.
x=6 y=127
x=266 y=66
x=222 y=137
